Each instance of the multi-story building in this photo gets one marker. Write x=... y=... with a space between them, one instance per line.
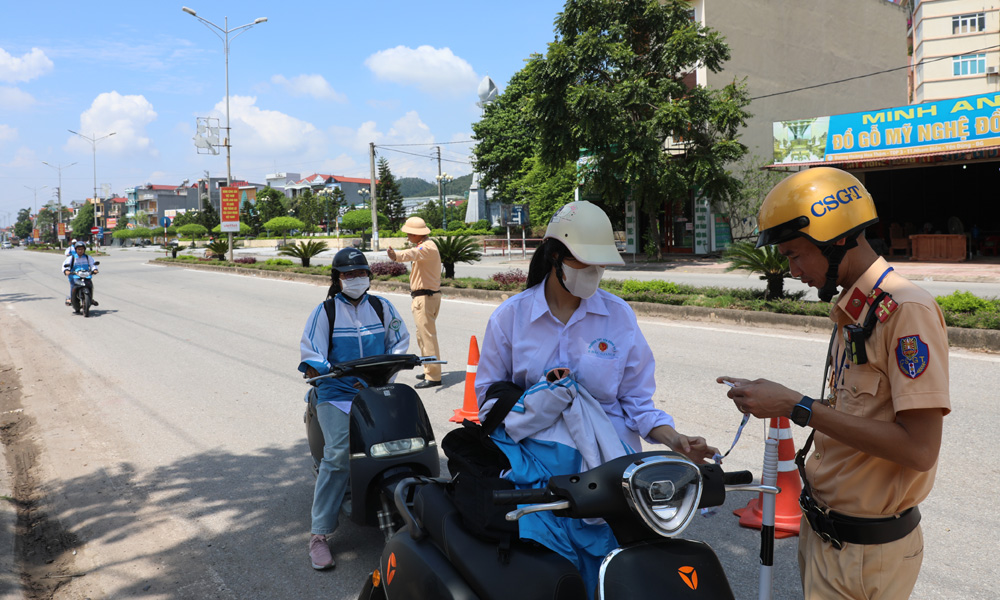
x=356 y=190
x=953 y=49
x=790 y=54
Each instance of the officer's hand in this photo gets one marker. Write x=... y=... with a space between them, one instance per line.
x=762 y=398
x=391 y=253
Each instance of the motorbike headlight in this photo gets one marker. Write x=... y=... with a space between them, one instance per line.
x=398 y=447
x=664 y=491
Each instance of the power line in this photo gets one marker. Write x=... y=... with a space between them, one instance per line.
x=819 y=85
x=429 y=144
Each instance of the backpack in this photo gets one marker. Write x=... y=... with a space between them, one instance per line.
x=475 y=463
x=331 y=310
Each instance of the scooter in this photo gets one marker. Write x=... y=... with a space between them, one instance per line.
x=648 y=499
x=391 y=438
x=83 y=289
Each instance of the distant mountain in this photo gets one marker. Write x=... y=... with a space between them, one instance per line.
x=415 y=187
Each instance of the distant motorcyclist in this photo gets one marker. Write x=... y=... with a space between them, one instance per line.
x=71 y=249
x=78 y=259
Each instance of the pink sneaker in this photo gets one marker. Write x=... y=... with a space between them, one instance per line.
x=319 y=553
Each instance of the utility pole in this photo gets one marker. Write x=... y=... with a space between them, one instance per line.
x=372 y=189
x=444 y=210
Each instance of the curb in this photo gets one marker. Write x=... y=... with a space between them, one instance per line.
x=959 y=337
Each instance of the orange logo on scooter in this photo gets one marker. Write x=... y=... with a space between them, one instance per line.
x=690 y=576
x=390 y=569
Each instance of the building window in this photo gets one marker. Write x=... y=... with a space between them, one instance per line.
x=973 y=23
x=971 y=64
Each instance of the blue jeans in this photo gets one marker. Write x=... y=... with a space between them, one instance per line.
x=334 y=470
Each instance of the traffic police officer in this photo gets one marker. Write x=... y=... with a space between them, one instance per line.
x=873 y=451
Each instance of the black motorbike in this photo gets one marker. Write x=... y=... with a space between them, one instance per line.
x=391 y=438
x=648 y=499
x=82 y=296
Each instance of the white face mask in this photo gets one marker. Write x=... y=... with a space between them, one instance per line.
x=353 y=288
x=583 y=283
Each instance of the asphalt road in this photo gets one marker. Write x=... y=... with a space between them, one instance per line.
x=172 y=444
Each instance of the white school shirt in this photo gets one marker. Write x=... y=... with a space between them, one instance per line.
x=601 y=344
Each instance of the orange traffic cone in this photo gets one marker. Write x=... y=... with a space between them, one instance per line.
x=470 y=408
x=787 y=514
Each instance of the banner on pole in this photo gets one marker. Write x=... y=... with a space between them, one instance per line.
x=230 y=210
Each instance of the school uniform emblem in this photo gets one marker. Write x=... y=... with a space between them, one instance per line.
x=602 y=347
x=912 y=356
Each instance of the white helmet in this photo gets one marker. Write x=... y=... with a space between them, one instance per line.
x=586 y=232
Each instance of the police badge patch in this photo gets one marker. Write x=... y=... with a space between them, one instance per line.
x=912 y=356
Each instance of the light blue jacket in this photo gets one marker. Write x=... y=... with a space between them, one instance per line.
x=358 y=333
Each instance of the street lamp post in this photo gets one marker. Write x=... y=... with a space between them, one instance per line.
x=93 y=144
x=225 y=42
x=59 y=169
x=35 y=190
x=442 y=179
x=367 y=193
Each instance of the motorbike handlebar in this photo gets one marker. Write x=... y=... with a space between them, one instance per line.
x=529 y=496
x=737 y=478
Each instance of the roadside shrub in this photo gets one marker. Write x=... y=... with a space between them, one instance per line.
x=246 y=260
x=284 y=262
x=964 y=302
x=510 y=278
x=387 y=268
x=632 y=286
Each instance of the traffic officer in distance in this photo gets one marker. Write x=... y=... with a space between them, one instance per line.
x=873 y=450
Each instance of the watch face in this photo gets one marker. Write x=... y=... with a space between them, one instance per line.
x=800 y=415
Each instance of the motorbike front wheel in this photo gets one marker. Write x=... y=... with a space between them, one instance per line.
x=85 y=302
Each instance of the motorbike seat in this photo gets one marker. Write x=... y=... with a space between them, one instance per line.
x=532 y=572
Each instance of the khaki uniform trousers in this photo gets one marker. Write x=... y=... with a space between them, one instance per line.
x=425 y=311
x=862 y=572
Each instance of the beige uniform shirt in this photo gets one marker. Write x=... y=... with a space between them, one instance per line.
x=426 y=271
x=907 y=369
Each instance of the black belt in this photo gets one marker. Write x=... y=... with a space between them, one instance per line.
x=416 y=293
x=839 y=529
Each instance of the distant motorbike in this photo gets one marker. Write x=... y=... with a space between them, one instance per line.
x=83 y=289
x=648 y=499
x=391 y=437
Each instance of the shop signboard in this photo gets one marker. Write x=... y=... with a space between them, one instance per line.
x=701 y=213
x=230 y=212
x=630 y=229
x=723 y=232
x=970 y=123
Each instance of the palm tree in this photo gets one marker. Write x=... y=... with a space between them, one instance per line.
x=218 y=248
x=303 y=251
x=772 y=266
x=455 y=249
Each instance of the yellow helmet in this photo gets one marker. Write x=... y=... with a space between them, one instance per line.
x=822 y=204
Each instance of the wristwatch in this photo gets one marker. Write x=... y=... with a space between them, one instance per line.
x=802 y=412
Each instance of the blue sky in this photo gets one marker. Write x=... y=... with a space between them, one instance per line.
x=309 y=89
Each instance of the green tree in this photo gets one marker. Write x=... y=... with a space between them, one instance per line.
x=331 y=200
x=185 y=218
x=455 y=249
x=767 y=261
x=283 y=225
x=207 y=217
x=505 y=138
x=193 y=231
x=45 y=222
x=271 y=204
x=308 y=209
x=612 y=86
x=22 y=227
x=545 y=189
x=754 y=184
x=388 y=197
x=83 y=222
x=250 y=215
x=361 y=219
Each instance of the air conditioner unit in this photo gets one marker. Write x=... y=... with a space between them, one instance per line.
x=991 y=70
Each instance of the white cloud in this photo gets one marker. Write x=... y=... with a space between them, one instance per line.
x=309 y=85
x=7 y=133
x=408 y=129
x=12 y=98
x=126 y=116
x=433 y=70
x=259 y=132
x=29 y=66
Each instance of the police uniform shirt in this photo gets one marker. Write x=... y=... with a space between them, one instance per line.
x=601 y=345
x=907 y=369
x=426 y=271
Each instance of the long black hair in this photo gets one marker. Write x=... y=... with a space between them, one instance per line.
x=550 y=254
x=335 y=286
